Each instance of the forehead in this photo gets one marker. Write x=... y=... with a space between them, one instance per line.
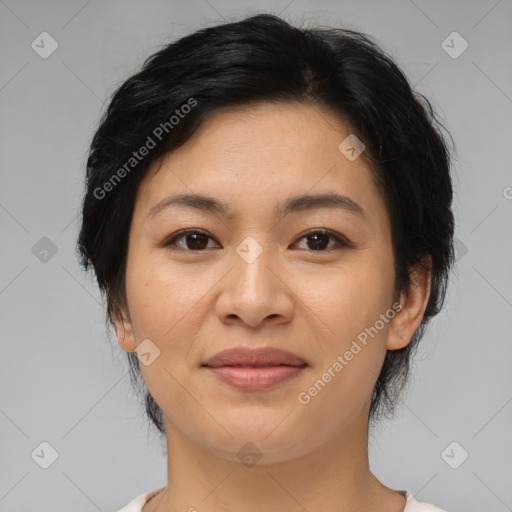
x=261 y=155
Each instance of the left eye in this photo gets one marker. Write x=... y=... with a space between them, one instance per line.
x=319 y=240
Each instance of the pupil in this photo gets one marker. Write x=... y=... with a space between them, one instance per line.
x=196 y=244
x=322 y=245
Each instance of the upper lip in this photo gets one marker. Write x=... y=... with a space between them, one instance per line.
x=255 y=357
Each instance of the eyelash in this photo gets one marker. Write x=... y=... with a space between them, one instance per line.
x=341 y=241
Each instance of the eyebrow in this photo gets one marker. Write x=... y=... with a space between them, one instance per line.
x=294 y=204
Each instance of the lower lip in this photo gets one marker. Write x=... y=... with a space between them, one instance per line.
x=255 y=379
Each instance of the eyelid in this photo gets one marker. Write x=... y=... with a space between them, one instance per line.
x=341 y=240
x=183 y=232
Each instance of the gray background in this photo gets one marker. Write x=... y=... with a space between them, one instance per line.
x=62 y=381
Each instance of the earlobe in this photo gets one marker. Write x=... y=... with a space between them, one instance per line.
x=414 y=303
x=124 y=330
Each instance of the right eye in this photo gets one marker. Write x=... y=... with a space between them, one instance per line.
x=193 y=240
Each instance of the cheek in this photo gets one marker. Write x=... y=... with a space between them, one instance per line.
x=349 y=298
x=164 y=307
x=163 y=299
x=353 y=340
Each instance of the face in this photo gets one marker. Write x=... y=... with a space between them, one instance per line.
x=309 y=279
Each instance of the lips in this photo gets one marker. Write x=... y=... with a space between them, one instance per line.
x=255 y=369
x=254 y=358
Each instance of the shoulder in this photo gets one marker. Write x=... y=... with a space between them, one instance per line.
x=138 y=502
x=416 y=506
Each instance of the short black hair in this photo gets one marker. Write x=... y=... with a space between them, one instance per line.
x=264 y=59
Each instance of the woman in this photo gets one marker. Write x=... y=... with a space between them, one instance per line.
x=268 y=213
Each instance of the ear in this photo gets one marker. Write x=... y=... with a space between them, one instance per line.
x=124 y=329
x=414 y=303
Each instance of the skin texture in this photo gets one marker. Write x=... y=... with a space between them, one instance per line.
x=193 y=304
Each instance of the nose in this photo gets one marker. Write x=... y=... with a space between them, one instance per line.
x=255 y=291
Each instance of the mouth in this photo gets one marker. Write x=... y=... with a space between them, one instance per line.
x=255 y=378
x=255 y=369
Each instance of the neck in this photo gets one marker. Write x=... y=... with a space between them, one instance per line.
x=334 y=476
